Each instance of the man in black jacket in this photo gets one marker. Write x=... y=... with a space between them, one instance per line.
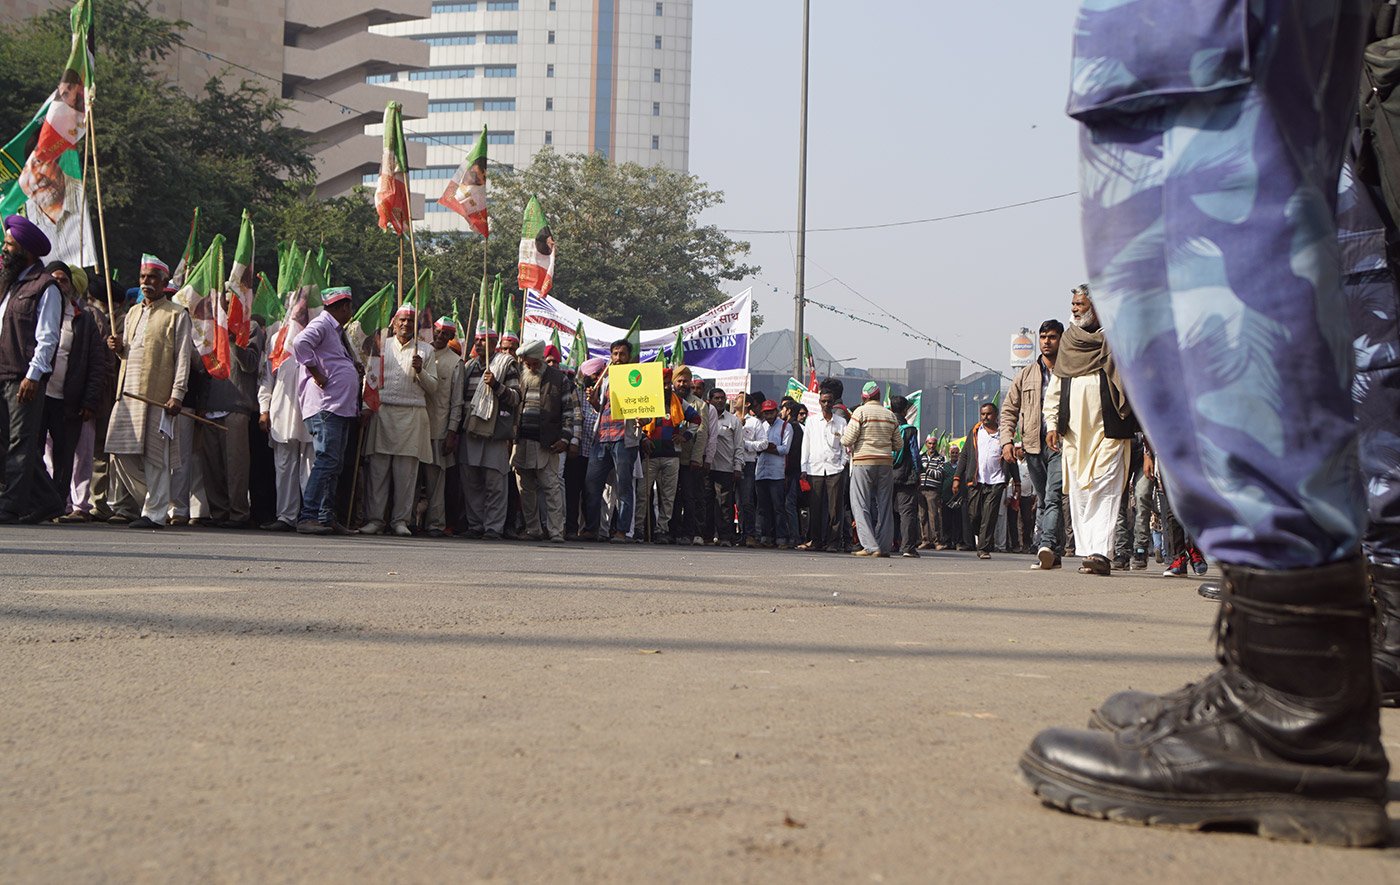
x=548 y=426
x=82 y=371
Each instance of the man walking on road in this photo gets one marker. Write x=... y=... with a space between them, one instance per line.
x=1023 y=413
x=983 y=473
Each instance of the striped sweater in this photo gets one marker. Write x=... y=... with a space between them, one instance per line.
x=871 y=435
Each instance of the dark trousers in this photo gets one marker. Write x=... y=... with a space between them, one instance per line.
x=688 y=515
x=223 y=456
x=930 y=516
x=262 y=475
x=748 y=503
x=827 y=512
x=772 y=520
x=983 y=507
x=575 y=470
x=63 y=428
x=906 y=515
x=27 y=486
x=951 y=531
x=722 y=484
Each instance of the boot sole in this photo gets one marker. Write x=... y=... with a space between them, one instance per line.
x=1359 y=824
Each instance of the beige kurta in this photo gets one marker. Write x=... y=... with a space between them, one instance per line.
x=400 y=427
x=444 y=403
x=1095 y=467
x=156 y=365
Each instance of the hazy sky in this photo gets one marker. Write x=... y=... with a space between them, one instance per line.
x=916 y=110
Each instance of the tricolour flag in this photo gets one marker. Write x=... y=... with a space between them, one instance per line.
x=466 y=192
x=300 y=302
x=41 y=168
x=916 y=400
x=536 y=250
x=203 y=294
x=391 y=196
x=811 y=364
x=421 y=294
x=366 y=330
x=240 y=285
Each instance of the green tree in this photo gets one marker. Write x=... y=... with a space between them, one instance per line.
x=628 y=237
x=362 y=256
x=162 y=152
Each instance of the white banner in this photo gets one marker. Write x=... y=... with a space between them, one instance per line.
x=716 y=342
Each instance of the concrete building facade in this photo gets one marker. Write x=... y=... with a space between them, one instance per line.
x=316 y=54
x=580 y=76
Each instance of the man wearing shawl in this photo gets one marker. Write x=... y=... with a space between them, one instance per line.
x=1089 y=420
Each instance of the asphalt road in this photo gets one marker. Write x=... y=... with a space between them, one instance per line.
x=214 y=706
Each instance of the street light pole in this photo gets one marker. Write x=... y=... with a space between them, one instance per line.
x=799 y=298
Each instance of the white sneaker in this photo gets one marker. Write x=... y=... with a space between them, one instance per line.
x=402 y=530
x=697 y=541
x=371 y=528
x=1046 y=557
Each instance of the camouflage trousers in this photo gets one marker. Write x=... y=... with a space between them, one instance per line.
x=1209 y=214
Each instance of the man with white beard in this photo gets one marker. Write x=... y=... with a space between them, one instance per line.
x=1087 y=413
x=548 y=426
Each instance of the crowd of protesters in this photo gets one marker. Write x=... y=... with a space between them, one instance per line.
x=120 y=423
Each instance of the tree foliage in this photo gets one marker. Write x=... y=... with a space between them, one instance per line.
x=161 y=152
x=629 y=241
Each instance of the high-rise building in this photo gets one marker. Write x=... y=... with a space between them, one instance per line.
x=315 y=54
x=580 y=76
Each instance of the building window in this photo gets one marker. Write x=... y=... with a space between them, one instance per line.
x=549 y=104
x=449 y=40
x=656 y=75
x=500 y=138
x=454 y=7
x=549 y=70
x=497 y=39
x=551 y=5
x=442 y=74
x=427 y=173
x=658 y=9
x=498 y=104
x=503 y=5
x=500 y=70
x=380 y=78
x=656 y=142
x=550 y=37
x=656 y=109
x=658 y=41
x=446 y=107
x=548 y=136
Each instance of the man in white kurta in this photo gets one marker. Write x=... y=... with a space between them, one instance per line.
x=444 y=411
x=1095 y=464
x=292 y=451
x=399 y=438
x=153 y=345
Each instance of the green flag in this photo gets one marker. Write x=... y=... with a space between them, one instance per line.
x=498 y=307
x=678 y=349
x=578 y=352
x=512 y=324
x=554 y=341
x=484 y=317
x=187 y=258
x=915 y=407
x=267 y=305
x=289 y=261
x=634 y=338
x=371 y=315
x=457 y=321
x=422 y=292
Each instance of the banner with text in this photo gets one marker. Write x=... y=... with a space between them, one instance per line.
x=716 y=342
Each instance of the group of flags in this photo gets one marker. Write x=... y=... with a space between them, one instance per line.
x=220 y=306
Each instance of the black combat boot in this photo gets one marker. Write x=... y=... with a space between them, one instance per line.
x=1283 y=739
x=1385 y=590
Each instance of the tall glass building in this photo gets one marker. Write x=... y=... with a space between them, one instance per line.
x=580 y=76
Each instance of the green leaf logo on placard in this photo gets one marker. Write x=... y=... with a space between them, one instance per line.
x=634 y=378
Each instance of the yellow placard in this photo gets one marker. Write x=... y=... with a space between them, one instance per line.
x=635 y=391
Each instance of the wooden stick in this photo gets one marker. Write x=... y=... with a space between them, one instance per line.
x=355 y=477
x=400 y=302
x=101 y=220
x=183 y=411
x=408 y=195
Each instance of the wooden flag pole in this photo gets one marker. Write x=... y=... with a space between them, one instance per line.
x=413 y=248
x=101 y=220
x=400 y=293
x=183 y=411
x=355 y=476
